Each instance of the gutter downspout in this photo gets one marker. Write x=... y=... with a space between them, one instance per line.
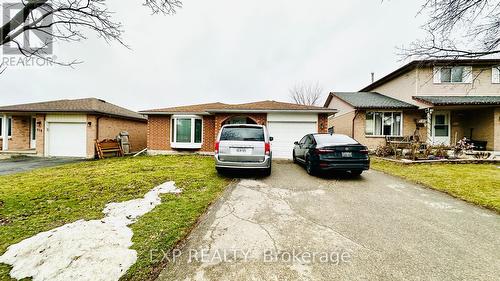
x=354 y=118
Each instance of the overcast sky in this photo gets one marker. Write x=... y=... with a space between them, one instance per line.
x=226 y=50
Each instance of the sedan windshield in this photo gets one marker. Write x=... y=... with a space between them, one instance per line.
x=242 y=134
x=334 y=139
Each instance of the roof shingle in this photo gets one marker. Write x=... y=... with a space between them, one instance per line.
x=87 y=105
x=370 y=100
x=459 y=100
x=267 y=105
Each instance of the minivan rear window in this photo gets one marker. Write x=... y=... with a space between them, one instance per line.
x=242 y=134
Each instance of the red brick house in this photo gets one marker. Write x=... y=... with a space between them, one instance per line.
x=67 y=128
x=195 y=127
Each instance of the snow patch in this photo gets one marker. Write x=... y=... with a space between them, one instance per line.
x=85 y=250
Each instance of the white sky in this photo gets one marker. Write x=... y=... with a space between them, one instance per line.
x=226 y=50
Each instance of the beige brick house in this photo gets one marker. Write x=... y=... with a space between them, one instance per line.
x=439 y=101
x=67 y=128
x=195 y=127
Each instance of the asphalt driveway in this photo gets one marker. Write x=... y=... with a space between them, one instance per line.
x=23 y=164
x=291 y=226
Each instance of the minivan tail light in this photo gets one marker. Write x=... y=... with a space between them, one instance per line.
x=267 y=147
x=216 y=147
x=364 y=151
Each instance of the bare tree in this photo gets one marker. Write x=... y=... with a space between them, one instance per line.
x=66 y=20
x=306 y=93
x=458 y=29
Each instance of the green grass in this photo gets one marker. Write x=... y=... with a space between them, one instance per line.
x=475 y=183
x=43 y=199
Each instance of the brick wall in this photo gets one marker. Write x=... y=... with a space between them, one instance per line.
x=322 y=123
x=110 y=127
x=40 y=134
x=20 y=133
x=158 y=132
x=208 y=133
x=481 y=120
x=409 y=127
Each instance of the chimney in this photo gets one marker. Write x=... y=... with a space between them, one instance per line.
x=373 y=77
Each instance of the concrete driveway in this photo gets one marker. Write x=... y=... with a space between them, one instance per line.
x=23 y=164
x=375 y=227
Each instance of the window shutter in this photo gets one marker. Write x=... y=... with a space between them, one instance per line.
x=467 y=74
x=437 y=75
x=495 y=75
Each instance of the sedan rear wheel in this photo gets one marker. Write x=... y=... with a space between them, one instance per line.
x=309 y=167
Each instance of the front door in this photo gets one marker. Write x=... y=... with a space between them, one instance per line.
x=33 y=133
x=441 y=127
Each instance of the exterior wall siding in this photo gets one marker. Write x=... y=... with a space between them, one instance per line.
x=158 y=132
x=110 y=127
x=342 y=124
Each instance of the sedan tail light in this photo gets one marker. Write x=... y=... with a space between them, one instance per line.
x=216 y=147
x=324 y=151
x=267 y=148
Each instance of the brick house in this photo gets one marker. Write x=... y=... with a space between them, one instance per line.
x=195 y=127
x=67 y=128
x=439 y=101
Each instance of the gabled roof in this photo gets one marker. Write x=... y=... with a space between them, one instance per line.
x=428 y=63
x=367 y=100
x=458 y=100
x=261 y=106
x=87 y=105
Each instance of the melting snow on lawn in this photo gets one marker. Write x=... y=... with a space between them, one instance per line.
x=85 y=250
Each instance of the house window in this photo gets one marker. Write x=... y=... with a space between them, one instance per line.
x=9 y=126
x=187 y=131
x=455 y=74
x=383 y=123
x=495 y=75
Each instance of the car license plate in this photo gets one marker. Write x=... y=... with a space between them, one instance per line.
x=346 y=154
x=241 y=151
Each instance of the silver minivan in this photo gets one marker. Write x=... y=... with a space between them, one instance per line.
x=243 y=146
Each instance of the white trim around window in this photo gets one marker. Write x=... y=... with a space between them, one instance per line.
x=452 y=74
x=189 y=139
x=9 y=128
x=376 y=129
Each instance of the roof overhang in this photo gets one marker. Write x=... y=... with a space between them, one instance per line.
x=28 y=112
x=212 y=111
x=459 y=100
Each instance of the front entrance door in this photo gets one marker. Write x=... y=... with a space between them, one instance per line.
x=441 y=127
x=33 y=133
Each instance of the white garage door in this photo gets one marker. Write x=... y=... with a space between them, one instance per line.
x=286 y=133
x=67 y=139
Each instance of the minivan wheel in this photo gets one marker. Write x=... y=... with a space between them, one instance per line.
x=267 y=172
x=220 y=171
x=294 y=158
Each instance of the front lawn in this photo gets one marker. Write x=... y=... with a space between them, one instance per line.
x=475 y=183
x=44 y=199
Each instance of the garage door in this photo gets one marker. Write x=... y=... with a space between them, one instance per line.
x=67 y=139
x=286 y=133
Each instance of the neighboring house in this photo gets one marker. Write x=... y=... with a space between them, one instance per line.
x=195 y=127
x=67 y=128
x=441 y=101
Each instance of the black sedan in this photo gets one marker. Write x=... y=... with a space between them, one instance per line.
x=331 y=152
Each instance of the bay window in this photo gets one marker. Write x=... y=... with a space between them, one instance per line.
x=383 y=123
x=9 y=127
x=186 y=131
